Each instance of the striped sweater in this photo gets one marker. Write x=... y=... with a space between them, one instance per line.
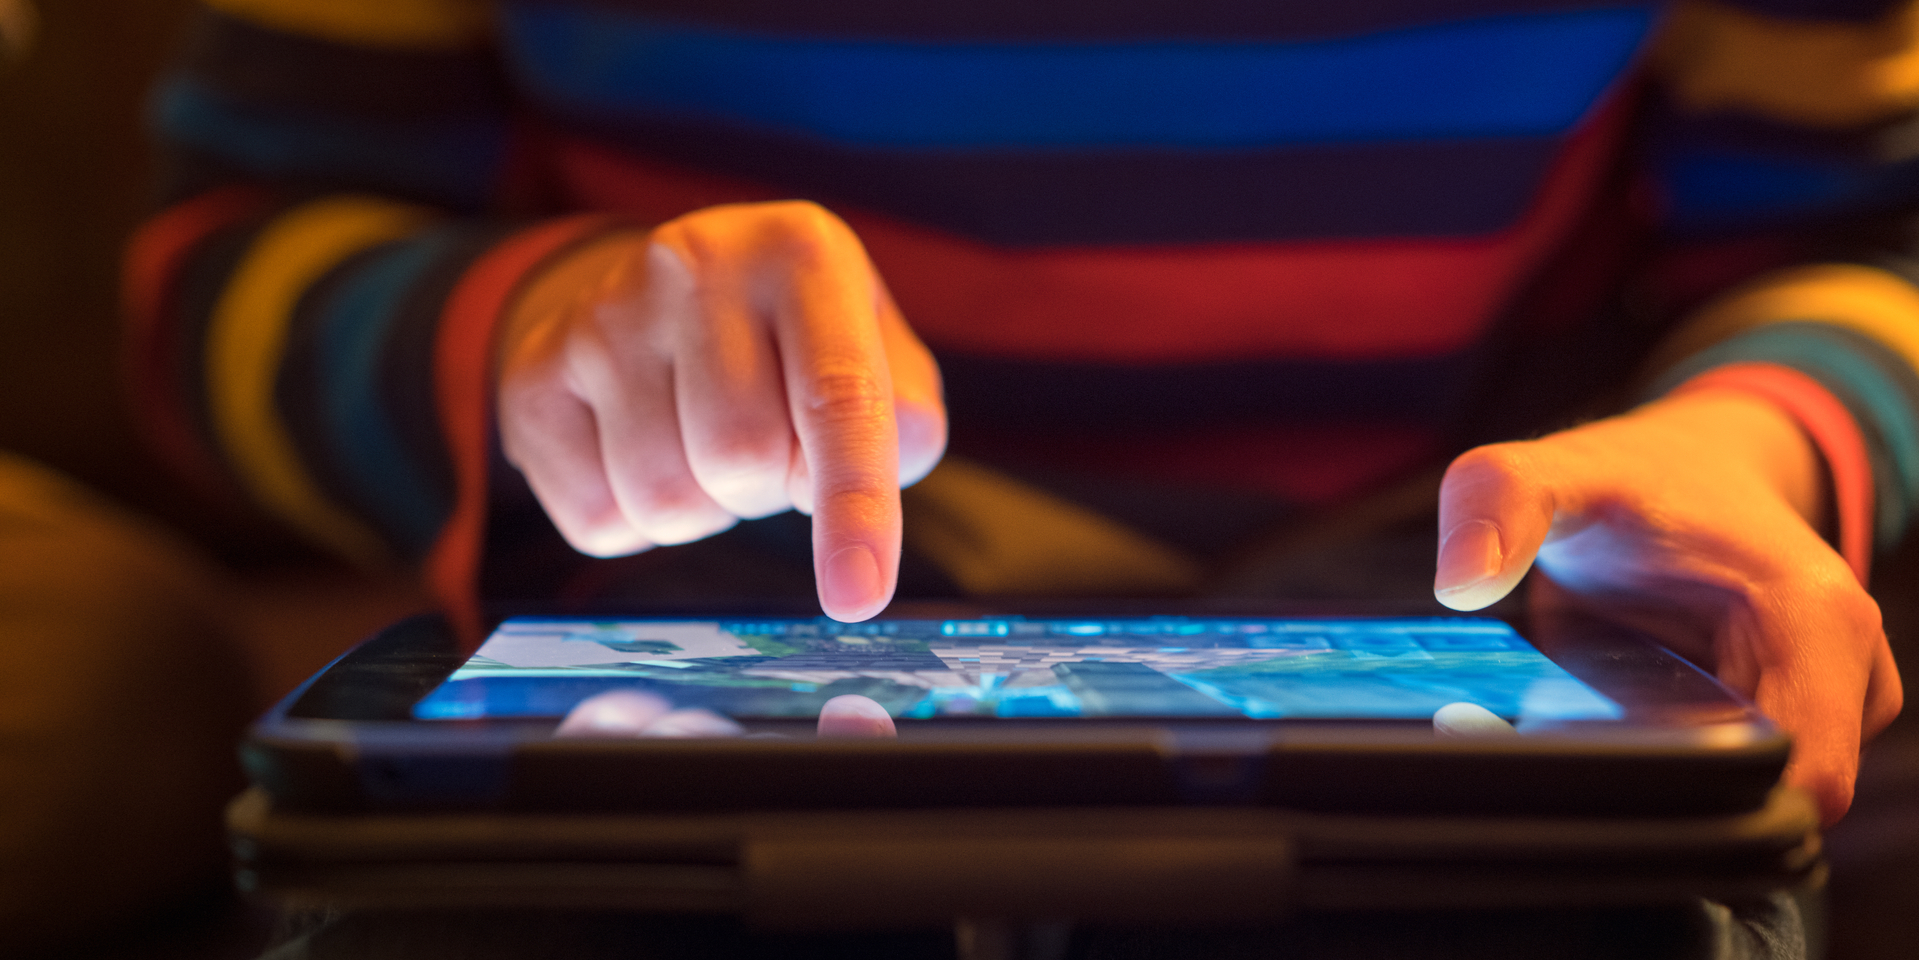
x=1289 y=249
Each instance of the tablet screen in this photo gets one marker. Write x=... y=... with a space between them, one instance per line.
x=1012 y=667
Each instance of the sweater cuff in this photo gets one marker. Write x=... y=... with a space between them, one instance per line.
x=1850 y=328
x=464 y=390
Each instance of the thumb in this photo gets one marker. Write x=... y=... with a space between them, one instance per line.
x=1494 y=512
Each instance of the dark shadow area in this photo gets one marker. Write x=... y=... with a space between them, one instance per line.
x=1875 y=851
x=76 y=177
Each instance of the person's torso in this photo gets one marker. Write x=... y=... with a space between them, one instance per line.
x=1261 y=245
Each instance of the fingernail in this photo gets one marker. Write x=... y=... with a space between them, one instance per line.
x=1469 y=720
x=1468 y=557
x=850 y=586
x=853 y=717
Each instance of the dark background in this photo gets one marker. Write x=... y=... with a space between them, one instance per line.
x=74 y=180
x=77 y=175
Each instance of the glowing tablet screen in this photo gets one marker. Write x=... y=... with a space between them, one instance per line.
x=1018 y=668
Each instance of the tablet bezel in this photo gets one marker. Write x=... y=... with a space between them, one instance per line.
x=346 y=740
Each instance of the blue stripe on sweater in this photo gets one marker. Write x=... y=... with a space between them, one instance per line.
x=1526 y=74
x=368 y=450
x=1712 y=190
x=452 y=159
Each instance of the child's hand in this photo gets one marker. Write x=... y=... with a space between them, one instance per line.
x=657 y=387
x=1694 y=518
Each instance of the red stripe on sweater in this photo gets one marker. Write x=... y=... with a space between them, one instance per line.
x=464 y=388
x=1322 y=299
x=150 y=279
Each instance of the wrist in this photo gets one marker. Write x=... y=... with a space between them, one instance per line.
x=1827 y=426
x=552 y=293
x=1752 y=430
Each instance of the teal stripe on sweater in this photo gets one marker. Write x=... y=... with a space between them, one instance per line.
x=1881 y=392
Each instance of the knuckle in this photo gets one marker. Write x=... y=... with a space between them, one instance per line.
x=1864 y=611
x=533 y=420
x=850 y=396
x=807 y=233
x=797 y=236
x=860 y=504
x=670 y=263
x=1863 y=618
x=1819 y=600
x=691 y=245
x=744 y=452
x=682 y=242
x=1892 y=701
x=806 y=217
x=1831 y=589
x=677 y=513
x=602 y=338
x=653 y=503
x=800 y=222
x=747 y=481
x=1492 y=458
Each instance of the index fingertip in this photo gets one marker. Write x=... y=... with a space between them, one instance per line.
x=1471 y=565
x=853 y=585
x=855 y=717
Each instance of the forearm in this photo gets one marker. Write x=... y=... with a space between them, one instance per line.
x=298 y=318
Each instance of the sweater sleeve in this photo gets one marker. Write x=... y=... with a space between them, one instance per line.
x=1780 y=143
x=310 y=318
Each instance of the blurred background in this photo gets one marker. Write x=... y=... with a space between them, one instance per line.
x=74 y=179
x=77 y=176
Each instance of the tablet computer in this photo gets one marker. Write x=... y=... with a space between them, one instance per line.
x=1130 y=764
x=1021 y=707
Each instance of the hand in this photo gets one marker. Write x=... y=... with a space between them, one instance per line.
x=657 y=387
x=1694 y=518
x=627 y=713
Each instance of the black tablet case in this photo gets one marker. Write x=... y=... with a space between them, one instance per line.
x=884 y=869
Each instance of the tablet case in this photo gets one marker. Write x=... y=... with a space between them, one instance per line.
x=824 y=870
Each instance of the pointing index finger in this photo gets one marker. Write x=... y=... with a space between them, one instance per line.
x=840 y=394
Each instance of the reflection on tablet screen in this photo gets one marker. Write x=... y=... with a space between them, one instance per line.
x=1017 y=668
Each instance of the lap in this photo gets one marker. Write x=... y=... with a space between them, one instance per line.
x=1758 y=930
x=120 y=702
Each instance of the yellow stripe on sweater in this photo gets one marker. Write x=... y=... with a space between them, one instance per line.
x=1867 y=300
x=1825 y=74
x=246 y=340
x=416 y=24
